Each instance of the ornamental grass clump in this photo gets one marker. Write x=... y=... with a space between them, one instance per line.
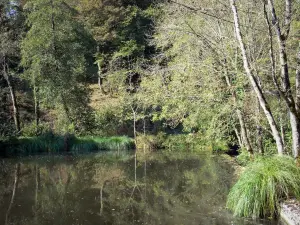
x=263 y=185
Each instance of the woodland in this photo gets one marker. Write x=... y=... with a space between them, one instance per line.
x=181 y=75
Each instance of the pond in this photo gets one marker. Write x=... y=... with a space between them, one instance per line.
x=111 y=188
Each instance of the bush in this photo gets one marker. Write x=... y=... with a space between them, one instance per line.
x=263 y=185
x=243 y=158
x=151 y=142
x=30 y=129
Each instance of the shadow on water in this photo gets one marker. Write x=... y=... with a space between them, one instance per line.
x=117 y=188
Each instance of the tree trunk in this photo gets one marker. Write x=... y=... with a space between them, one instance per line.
x=66 y=108
x=244 y=133
x=134 y=125
x=100 y=79
x=36 y=108
x=135 y=168
x=243 y=139
x=257 y=89
x=238 y=137
x=16 y=114
x=296 y=142
x=259 y=131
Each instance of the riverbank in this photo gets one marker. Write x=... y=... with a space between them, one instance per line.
x=52 y=143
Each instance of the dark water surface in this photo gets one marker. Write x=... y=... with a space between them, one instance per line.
x=173 y=189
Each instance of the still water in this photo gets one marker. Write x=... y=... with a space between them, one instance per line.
x=175 y=189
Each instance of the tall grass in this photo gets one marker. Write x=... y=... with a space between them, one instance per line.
x=50 y=143
x=102 y=143
x=263 y=185
x=45 y=143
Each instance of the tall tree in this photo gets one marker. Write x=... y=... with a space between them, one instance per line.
x=54 y=54
x=262 y=100
x=11 y=24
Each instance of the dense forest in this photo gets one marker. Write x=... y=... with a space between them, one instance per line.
x=227 y=74
x=173 y=74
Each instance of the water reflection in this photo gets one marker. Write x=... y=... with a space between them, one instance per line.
x=112 y=189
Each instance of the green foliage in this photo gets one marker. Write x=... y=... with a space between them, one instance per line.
x=243 y=158
x=263 y=185
x=31 y=130
x=54 y=54
x=151 y=142
x=128 y=49
x=184 y=142
x=107 y=121
x=219 y=146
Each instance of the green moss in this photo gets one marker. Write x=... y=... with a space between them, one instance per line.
x=263 y=185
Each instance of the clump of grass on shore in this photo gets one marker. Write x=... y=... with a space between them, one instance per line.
x=50 y=143
x=102 y=143
x=263 y=185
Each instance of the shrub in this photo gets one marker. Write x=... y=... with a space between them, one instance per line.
x=30 y=129
x=263 y=185
x=151 y=142
x=243 y=158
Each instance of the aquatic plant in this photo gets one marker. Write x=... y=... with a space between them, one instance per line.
x=263 y=185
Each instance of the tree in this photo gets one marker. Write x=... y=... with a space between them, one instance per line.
x=54 y=55
x=254 y=83
x=11 y=27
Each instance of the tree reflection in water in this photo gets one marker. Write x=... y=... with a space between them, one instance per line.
x=112 y=189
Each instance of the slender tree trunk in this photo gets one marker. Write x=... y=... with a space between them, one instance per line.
x=134 y=124
x=36 y=107
x=238 y=137
x=100 y=79
x=144 y=130
x=244 y=139
x=16 y=114
x=298 y=81
x=135 y=167
x=244 y=133
x=257 y=89
x=53 y=28
x=296 y=144
x=66 y=108
x=13 y=195
x=259 y=131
